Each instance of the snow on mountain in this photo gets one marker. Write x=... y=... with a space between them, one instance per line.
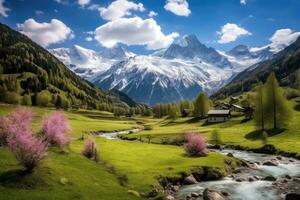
x=241 y=57
x=152 y=79
x=168 y=75
x=87 y=62
x=189 y=47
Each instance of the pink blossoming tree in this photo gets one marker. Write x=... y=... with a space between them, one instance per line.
x=55 y=129
x=18 y=135
x=90 y=150
x=195 y=144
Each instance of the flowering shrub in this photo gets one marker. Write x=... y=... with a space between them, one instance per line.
x=90 y=149
x=18 y=120
x=55 y=129
x=17 y=134
x=28 y=150
x=195 y=145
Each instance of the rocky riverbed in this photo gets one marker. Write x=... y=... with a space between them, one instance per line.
x=266 y=177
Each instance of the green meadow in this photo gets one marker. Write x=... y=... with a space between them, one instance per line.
x=127 y=168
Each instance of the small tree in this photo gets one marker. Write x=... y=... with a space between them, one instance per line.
x=202 y=105
x=215 y=138
x=195 y=145
x=55 y=129
x=264 y=137
x=90 y=150
x=17 y=134
x=174 y=112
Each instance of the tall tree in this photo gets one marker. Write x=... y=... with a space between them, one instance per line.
x=277 y=111
x=201 y=105
x=259 y=115
x=174 y=111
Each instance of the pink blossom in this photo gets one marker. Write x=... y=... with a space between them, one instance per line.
x=195 y=144
x=89 y=148
x=55 y=129
x=18 y=120
x=18 y=135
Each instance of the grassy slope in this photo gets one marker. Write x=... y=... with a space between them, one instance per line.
x=232 y=132
x=71 y=176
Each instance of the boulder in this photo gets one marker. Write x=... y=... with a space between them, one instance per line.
x=288 y=176
x=194 y=194
x=230 y=155
x=270 y=163
x=251 y=179
x=292 y=196
x=209 y=194
x=270 y=178
x=170 y=197
x=190 y=180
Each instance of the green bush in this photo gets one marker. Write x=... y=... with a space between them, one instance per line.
x=12 y=98
x=44 y=98
x=26 y=100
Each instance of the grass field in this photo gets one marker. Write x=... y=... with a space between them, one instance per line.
x=72 y=176
x=234 y=131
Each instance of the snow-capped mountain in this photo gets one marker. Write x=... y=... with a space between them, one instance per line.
x=189 y=47
x=152 y=79
x=169 y=75
x=87 y=62
x=241 y=57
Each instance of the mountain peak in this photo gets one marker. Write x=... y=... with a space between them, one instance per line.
x=239 y=50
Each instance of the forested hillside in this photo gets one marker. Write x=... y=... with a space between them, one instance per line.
x=30 y=75
x=285 y=65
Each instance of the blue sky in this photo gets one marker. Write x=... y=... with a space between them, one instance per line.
x=250 y=22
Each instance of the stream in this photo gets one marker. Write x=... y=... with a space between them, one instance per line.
x=245 y=183
x=250 y=183
x=115 y=135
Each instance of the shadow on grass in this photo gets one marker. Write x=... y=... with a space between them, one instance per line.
x=257 y=135
x=297 y=107
x=21 y=179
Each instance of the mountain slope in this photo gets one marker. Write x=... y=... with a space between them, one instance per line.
x=28 y=69
x=179 y=72
x=87 y=62
x=284 y=64
x=151 y=79
x=189 y=47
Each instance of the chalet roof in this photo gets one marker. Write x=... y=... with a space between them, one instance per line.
x=237 y=106
x=219 y=112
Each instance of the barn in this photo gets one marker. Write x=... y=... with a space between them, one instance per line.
x=218 y=115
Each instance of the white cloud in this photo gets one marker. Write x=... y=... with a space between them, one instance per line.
x=133 y=31
x=230 y=32
x=119 y=9
x=178 y=7
x=89 y=39
x=3 y=9
x=94 y=7
x=83 y=2
x=243 y=2
x=283 y=38
x=152 y=14
x=46 y=33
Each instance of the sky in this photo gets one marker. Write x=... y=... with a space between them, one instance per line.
x=144 y=26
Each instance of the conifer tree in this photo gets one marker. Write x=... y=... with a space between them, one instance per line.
x=201 y=105
x=259 y=113
x=277 y=111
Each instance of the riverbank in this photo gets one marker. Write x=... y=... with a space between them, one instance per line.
x=266 y=177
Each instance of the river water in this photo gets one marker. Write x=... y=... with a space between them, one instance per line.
x=246 y=190
x=115 y=135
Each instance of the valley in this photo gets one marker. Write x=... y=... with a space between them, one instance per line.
x=136 y=100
